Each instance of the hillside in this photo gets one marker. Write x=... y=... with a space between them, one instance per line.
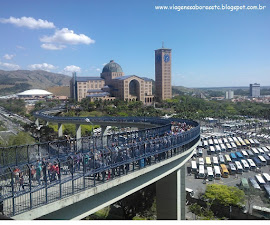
x=21 y=80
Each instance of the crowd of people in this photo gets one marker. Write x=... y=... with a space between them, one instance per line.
x=103 y=163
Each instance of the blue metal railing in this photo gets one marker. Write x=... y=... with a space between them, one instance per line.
x=86 y=162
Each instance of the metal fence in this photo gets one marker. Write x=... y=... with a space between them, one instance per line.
x=47 y=172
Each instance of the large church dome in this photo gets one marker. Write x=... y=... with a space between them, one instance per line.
x=112 y=67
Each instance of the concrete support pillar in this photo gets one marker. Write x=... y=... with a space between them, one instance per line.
x=60 y=129
x=78 y=136
x=171 y=198
x=37 y=122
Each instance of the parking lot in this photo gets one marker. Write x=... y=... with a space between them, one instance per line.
x=199 y=185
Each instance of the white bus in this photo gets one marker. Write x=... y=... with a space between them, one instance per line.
x=221 y=159
x=225 y=140
x=239 y=168
x=260 y=151
x=210 y=142
x=217 y=148
x=260 y=180
x=244 y=153
x=251 y=164
x=256 y=142
x=255 y=151
x=205 y=144
x=234 y=147
x=193 y=167
x=201 y=172
x=201 y=161
x=215 y=161
x=263 y=160
x=252 y=142
x=210 y=175
x=212 y=150
x=230 y=139
x=215 y=142
x=223 y=148
x=266 y=177
x=245 y=165
x=220 y=141
x=217 y=172
x=229 y=147
x=234 y=139
x=265 y=149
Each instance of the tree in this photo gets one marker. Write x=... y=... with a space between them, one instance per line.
x=138 y=203
x=224 y=195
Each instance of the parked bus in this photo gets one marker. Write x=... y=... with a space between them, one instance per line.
x=234 y=147
x=228 y=159
x=201 y=161
x=210 y=174
x=224 y=171
x=265 y=149
x=218 y=149
x=239 y=168
x=261 y=212
x=267 y=158
x=252 y=143
x=250 y=153
x=229 y=147
x=201 y=174
x=233 y=157
x=239 y=155
x=223 y=148
x=238 y=145
x=194 y=167
x=221 y=159
x=266 y=177
x=215 y=161
x=230 y=139
x=267 y=190
x=247 y=142
x=217 y=172
x=260 y=180
x=245 y=165
x=257 y=144
x=260 y=151
x=212 y=150
x=234 y=139
x=244 y=153
x=205 y=144
x=232 y=168
x=244 y=183
x=255 y=151
x=200 y=152
x=254 y=183
x=263 y=160
x=210 y=142
x=215 y=142
x=225 y=140
x=220 y=141
x=208 y=161
x=252 y=165
x=257 y=161
x=243 y=144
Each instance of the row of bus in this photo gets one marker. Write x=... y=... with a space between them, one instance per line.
x=231 y=143
x=211 y=173
x=261 y=181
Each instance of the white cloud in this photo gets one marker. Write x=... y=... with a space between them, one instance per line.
x=50 y=46
x=71 y=68
x=9 y=66
x=104 y=64
x=98 y=69
x=29 y=22
x=66 y=36
x=20 y=47
x=42 y=66
x=8 y=57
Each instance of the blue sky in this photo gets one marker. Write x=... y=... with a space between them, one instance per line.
x=209 y=48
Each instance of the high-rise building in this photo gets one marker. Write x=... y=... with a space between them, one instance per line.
x=163 y=74
x=229 y=94
x=255 y=90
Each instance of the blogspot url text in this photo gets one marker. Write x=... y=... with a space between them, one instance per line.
x=230 y=8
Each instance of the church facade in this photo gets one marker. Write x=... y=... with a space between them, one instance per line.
x=112 y=84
